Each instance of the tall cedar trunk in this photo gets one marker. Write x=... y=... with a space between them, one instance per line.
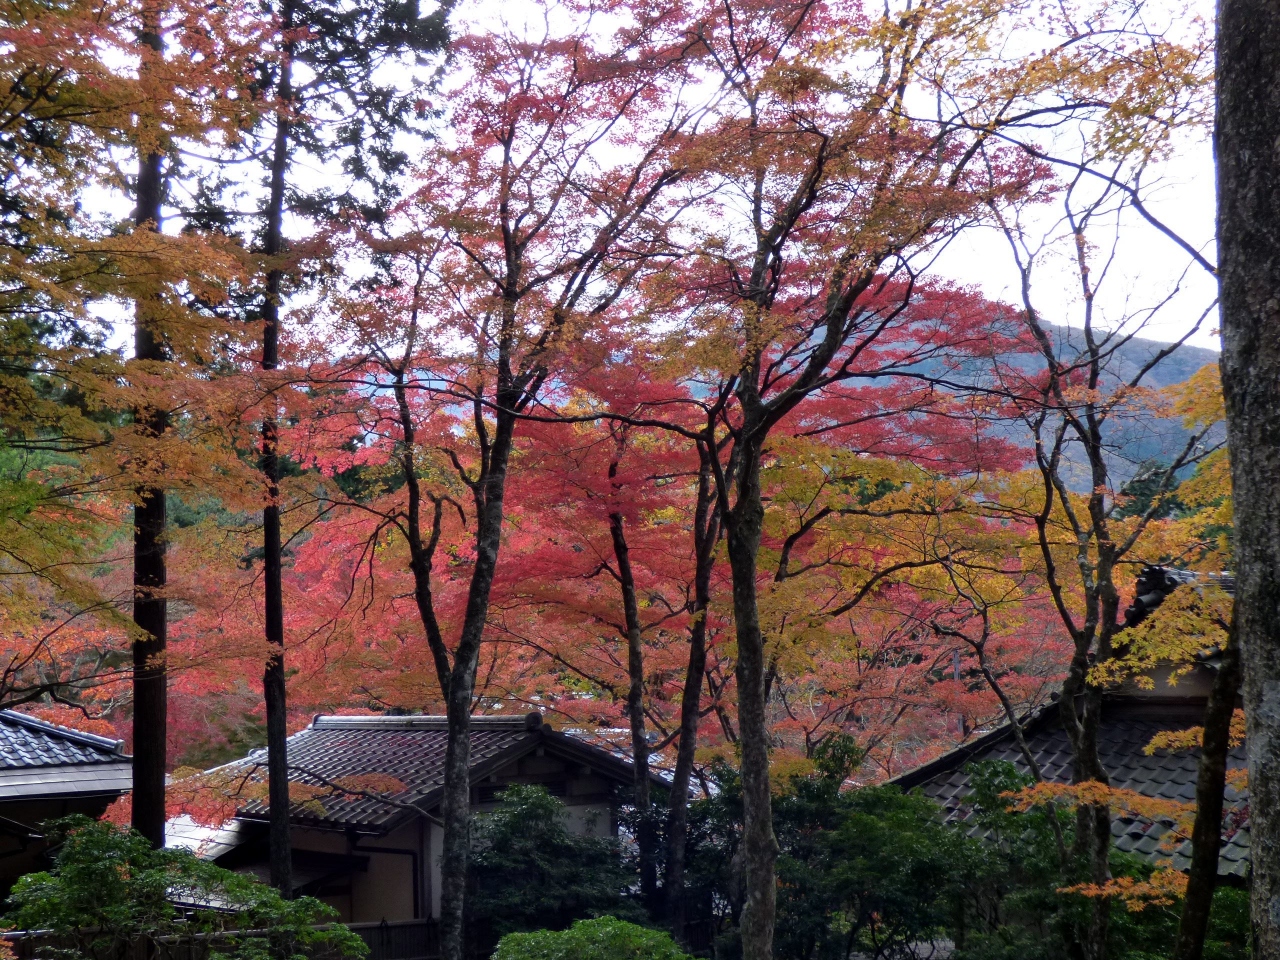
x=273 y=684
x=491 y=489
x=759 y=847
x=150 y=608
x=705 y=532
x=1248 y=120
x=1206 y=834
x=646 y=840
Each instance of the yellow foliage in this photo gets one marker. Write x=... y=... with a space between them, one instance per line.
x=784 y=768
x=1193 y=737
x=1190 y=621
x=1129 y=803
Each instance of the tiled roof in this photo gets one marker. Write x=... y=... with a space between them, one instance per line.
x=335 y=749
x=1125 y=731
x=39 y=759
x=28 y=742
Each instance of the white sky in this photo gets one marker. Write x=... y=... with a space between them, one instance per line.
x=1148 y=265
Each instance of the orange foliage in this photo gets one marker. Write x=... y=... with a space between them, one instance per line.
x=1164 y=887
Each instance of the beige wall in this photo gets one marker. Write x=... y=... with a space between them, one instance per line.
x=385 y=889
x=1196 y=682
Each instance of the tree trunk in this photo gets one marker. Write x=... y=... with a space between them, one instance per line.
x=150 y=693
x=646 y=840
x=1091 y=853
x=1094 y=822
x=280 y=855
x=150 y=608
x=686 y=750
x=491 y=490
x=456 y=844
x=1248 y=118
x=706 y=533
x=1206 y=834
x=759 y=847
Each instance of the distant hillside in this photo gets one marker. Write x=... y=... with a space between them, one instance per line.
x=1132 y=356
x=1138 y=440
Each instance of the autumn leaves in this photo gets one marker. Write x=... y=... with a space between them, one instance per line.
x=627 y=392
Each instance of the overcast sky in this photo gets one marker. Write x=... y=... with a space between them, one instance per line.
x=1148 y=266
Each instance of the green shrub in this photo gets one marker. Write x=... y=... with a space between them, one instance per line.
x=868 y=871
x=109 y=890
x=605 y=938
x=529 y=871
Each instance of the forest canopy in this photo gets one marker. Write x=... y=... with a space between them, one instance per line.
x=607 y=359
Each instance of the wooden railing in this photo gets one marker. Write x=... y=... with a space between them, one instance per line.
x=402 y=940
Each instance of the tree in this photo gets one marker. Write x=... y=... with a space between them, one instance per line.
x=1248 y=207
x=516 y=245
x=601 y=939
x=530 y=871
x=620 y=528
x=1075 y=408
x=806 y=279
x=1194 y=614
x=344 y=50
x=88 y=85
x=844 y=533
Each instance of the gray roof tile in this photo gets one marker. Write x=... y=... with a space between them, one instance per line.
x=1126 y=730
x=27 y=742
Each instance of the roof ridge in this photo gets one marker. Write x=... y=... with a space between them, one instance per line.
x=908 y=778
x=66 y=733
x=382 y=721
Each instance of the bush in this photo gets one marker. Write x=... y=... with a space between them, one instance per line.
x=110 y=891
x=869 y=871
x=530 y=872
x=605 y=938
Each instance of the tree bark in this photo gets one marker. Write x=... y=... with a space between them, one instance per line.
x=456 y=675
x=150 y=574
x=744 y=526
x=1091 y=853
x=1248 y=118
x=280 y=856
x=490 y=491
x=1206 y=833
x=706 y=535
x=456 y=844
x=646 y=840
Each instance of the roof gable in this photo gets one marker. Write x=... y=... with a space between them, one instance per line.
x=40 y=760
